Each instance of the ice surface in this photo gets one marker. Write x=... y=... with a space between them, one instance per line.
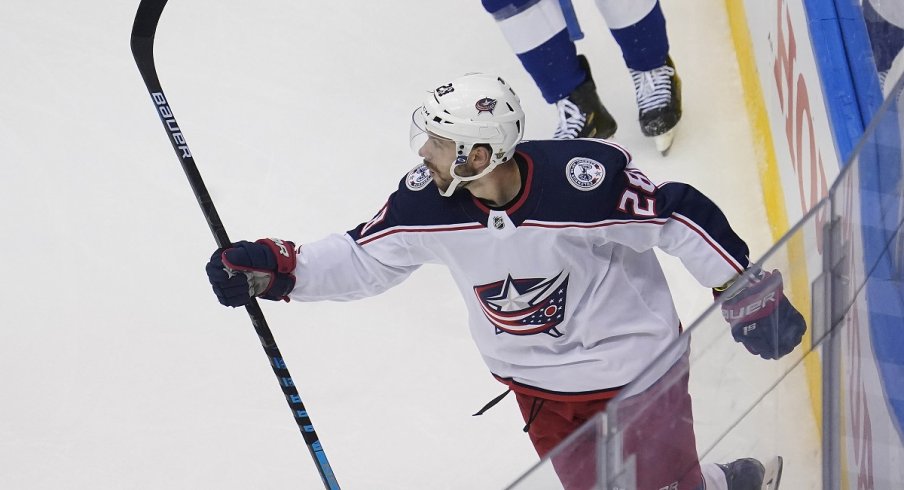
x=120 y=369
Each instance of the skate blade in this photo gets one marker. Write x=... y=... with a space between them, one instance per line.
x=664 y=141
x=773 y=474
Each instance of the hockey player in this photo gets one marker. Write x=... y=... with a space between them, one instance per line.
x=885 y=26
x=536 y=31
x=551 y=244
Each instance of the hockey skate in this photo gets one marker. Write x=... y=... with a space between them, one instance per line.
x=658 y=94
x=581 y=114
x=750 y=474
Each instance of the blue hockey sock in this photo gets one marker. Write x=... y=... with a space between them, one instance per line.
x=554 y=67
x=537 y=33
x=644 y=45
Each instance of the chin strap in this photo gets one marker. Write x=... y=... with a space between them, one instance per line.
x=457 y=180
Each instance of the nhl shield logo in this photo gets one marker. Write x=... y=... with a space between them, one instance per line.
x=418 y=178
x=585 y=174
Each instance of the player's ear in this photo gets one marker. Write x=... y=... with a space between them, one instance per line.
x=480 y=157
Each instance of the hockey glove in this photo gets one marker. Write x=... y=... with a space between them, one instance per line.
x=264 y=268
x=763 y=319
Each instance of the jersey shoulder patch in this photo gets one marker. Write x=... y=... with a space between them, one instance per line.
x=418 y=178
x=585 y=164
x=585 y=174
x=409 y=209
x=579 y=178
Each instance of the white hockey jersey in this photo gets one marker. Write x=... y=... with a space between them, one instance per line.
x=566 y=298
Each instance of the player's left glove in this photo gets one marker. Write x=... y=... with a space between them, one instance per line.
x=265 y=268
x=763 y=319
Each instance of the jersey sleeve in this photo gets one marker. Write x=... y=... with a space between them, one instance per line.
x=681 y=221
x=365 y=261
x=336 y=268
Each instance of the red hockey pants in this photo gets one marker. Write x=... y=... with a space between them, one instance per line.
x=660 y=435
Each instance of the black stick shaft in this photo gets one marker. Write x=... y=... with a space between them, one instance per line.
x=142 y=41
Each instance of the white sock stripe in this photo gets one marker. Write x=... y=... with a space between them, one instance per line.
x=619 y=14
x=713 y=477
x=533 y=26
x=511 y=10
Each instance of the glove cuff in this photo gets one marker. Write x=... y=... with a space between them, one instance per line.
x=283 y=252
x=280 y=287
x=759 y=299
x=282 y=281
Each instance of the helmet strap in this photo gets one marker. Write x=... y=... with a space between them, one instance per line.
x=458 y=180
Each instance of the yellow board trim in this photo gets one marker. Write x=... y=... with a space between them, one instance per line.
x=771 y=184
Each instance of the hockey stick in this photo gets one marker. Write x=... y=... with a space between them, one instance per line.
x=571 y=20
x=142 y=41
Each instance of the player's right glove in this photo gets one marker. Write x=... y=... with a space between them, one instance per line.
x=763 y=319
x=265 y=268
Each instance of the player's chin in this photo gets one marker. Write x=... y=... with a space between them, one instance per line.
x=441 y=184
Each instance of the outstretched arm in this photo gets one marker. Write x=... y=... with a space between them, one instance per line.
x=338 y=269
x=334 y=268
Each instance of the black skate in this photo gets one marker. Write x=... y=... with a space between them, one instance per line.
x=581 y=114
x=750 y=474
x=658 y=94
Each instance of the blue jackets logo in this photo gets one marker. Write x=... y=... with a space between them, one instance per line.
x=525 y=306
x=485 y=104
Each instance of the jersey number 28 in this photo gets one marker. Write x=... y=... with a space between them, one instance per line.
x=638 y=198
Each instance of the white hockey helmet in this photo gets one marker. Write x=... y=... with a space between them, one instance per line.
x=471 y=110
